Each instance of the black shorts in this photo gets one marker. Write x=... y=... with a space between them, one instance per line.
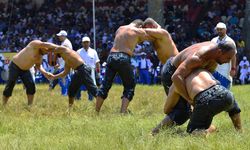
x=26 y=77
x=208 y=103
x=120 y=63
x=167 y=71
x=82 y=76
x=182 y=110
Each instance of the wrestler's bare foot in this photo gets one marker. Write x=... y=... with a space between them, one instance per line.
x=99 y=102
x=124 y=106
x=204 y=133
x=211 y=129
x=5 y=100
x=155 y=131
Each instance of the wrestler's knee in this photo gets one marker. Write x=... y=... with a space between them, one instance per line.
x=9 y=88
x=128 y=93
x=102 y=93
x=235 y=109
x=31 y=89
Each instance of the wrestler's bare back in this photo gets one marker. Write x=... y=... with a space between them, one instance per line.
x=127 y=37
x=198 y=81
x=165 y=47
x=198 y=50
x=71 y=58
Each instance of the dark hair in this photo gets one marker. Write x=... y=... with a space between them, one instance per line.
x=137 y=22
x=226 y=46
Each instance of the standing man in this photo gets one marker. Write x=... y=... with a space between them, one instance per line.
x=127 y=37
x=63 y=82
x=144 y=66
x=20 y=67
x=224 y=72
x=82 y=75
x=90 y=57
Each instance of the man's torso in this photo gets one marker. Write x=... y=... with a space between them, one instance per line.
x=89 y=56
x=165 y=48
x=27 y=57
x=125 y=40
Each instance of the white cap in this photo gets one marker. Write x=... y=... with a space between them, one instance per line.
x=221 y=25
x=85 y=39
x=104 y=64
x=62 y=33
x=143 y=53
x=244 y=58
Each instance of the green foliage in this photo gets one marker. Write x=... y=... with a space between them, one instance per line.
x=48 y=126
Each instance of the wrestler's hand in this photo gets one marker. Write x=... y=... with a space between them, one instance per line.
x=49 y=76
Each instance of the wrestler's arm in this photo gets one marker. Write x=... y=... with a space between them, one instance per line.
x=142 y=34
x=39 y=44
x=233 y=68
x=64 y=73
x=184 y=69
x=157 y=33
x=172 y=100
x=39 y=67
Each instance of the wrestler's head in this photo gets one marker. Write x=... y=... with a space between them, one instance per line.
x=227 y=51
x=150 y=23
x=137 y=23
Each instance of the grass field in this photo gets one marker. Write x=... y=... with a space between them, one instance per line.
x=10 y=55
x=48 y=126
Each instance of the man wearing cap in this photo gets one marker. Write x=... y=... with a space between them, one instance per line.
x=62 y=35
x=144 y=65
x=244 y=65
x=91 y=59
x=224 y=72
x=63 y=82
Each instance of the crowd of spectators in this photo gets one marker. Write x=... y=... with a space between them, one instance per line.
x=21 y=21
x=229 y=12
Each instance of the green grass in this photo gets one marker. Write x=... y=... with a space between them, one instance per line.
x=10 y=55
x=48 y=126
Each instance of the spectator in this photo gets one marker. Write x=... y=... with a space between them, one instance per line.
x=63 y=82
x=224 y=72
x=90 y=57
x=144 y=67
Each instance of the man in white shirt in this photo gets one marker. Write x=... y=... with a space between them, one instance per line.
x=64 y=82
x=244 y=62
x=244 y=65
x=91 y=59
x=144 y=67
x=224 y=72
